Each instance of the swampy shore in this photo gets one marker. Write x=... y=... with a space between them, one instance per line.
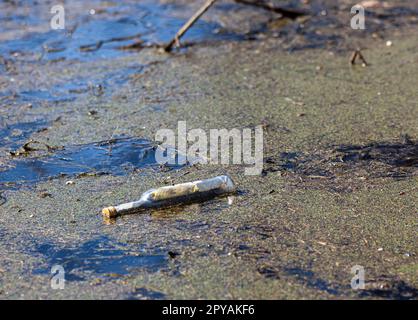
x=339 y=185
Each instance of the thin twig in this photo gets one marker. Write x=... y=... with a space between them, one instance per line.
x=189 y=24
x=96 y=46
x=353 y=57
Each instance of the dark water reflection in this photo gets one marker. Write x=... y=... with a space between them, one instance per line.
x=116 y=157
x=99 y=257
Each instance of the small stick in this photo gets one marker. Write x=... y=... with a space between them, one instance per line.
x=353 y=57
x=170 y=195
x=188 y=25
x=357 y=54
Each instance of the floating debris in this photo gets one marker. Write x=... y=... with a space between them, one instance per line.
x=179 y=193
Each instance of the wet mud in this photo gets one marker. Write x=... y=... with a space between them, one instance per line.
x=397 y=160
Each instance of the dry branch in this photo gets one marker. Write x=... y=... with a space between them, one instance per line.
x=189 y=24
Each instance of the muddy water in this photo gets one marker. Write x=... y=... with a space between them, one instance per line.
x=96 y=30
x=116 y=157
x=100 y=256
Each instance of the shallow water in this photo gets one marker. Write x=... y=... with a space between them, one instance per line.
x=116 y=157
x=285 y=219
x=98 y=257
x=92 y=36
x=11 y=136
